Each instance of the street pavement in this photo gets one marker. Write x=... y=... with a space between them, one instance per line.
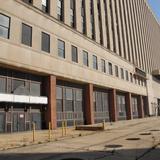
x=131 y=140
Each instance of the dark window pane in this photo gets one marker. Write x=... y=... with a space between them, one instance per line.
x=60 y=9
x=4 y=26
x=45 y=6
x=103 y=65
x=45 y=42
x=26 y=35
x=61 y=49
x=85 y=58
x=110 y=68
x=74 y=54
x=95 y=63
x=35 y=89
x=59 y=93
x=116 y=71
x=2 y=85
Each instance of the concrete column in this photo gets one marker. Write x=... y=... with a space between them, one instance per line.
x=112 y=105
x=140 y=107
x=67 y=12
x=88 y=18
x=129 y=106
x=50 y=86
x=37 y=4
x=89 y=110
x=53 y=8
x=97 y=33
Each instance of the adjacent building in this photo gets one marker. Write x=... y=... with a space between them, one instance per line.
x=80 y=61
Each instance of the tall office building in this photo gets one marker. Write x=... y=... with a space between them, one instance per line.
x=81 y=61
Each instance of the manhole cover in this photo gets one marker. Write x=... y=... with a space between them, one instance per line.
x=72 y=159
x=133 y=139
x=155 y=130
x=145 y=134
x=113 y=146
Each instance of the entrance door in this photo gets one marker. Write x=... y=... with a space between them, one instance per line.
x=18 y=122
x=2 y=122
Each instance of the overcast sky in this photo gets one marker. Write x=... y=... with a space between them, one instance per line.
x=155 y=5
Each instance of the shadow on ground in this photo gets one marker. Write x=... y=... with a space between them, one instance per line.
x=112 y=154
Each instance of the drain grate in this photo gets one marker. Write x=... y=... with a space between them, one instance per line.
x=155 y=130
x=72 y=159
x=145 y=134
x=113 y=146
x=133 y=139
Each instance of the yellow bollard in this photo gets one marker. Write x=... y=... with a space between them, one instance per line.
x=62 y=128
x=103 y=124
x=33 y=131
x=65 y=127
x=49 y=132
x=74 y=124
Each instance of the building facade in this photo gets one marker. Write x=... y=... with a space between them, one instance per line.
x=81 y=61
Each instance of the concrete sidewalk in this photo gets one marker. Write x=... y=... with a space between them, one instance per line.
x=126 y=140
x=14 y=140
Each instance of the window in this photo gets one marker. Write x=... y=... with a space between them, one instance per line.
x=45 y=6
x=74 y=54
x=122 y=73
x=95 y=62
x=35 y=89
x=131 y=77
x=110 y=68
x=83 y=16
x=26 y=35
x=85 y=58
x=28 y=1
x=116 y=71
x=4 y=26
x=103 y=65
x=45 y=42
x=127 y=76
x=72 y=13
x=92 y=19
x=60 y=10
x=61 y=49
x=2 y=84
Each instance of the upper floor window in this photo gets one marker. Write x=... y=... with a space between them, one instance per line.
x=92 y=19
x=83 y=16
x=116 y=71
x=85 y=58
x=60 y=10
x=28 y=1
x=45 y=6
x=110 y=68
x=127 y=76
x=4 y=26
x=131 y=77
x=122 y=73
x=95 y=62
x=103 y=65
x=26 y=35
x=74 y=54
x=72 y=13
x=61 y=49
x=45 y=42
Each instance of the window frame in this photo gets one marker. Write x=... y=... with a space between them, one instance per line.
x=48 y=45
x=64 y=56
x=29 y=45
x=74 y=59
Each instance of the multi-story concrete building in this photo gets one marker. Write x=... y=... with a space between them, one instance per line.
x=83 y=61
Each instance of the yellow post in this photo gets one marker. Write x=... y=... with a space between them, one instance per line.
x=103 y=124
x=33 y=131
x=65 y=127
x=74 y=124
x=49 y=132
x=62 y=128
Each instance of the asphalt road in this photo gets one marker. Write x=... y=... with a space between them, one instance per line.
x=138 y=141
